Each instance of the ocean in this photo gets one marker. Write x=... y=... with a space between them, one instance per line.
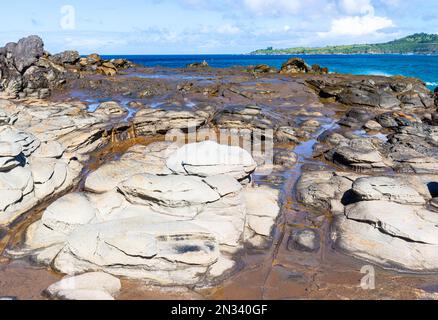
x=418 y=66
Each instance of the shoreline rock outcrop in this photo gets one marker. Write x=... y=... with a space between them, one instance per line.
x=382 y=219
x=157 y=223
x=26 y=70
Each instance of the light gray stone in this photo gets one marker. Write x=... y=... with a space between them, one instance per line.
x=209 y=158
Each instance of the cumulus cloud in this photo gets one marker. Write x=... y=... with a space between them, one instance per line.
x=357 y=25
x=272 y=6
x=228 y=29
x=353 y=7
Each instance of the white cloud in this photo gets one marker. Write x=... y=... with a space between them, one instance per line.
x=391 y=3
x=272 y=6
x=357 y=26
x=353 y=7
x=228 y=29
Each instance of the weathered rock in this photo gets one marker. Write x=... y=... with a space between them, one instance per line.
x=27 y=52
x=210 y=159
x=356 y=118
x=387 y=188
x=223 y=184
x=392 y=235
x=153 y=121
x=88 y=286
x=25 y=72
x=262 y=68
x=403 y=221
x=358 y=154
x=202 y=64
x=294 y=66
x=304 y=240
x=380 y=92
x=175 y=195
x=111 y=108
x=323 y=189
x=166 y=229
x=372 y=125
x=66 y=57
x=285 y=158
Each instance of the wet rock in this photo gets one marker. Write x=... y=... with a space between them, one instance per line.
x=285 y=158
x=414 y=148
x=307 y=240
x=242 y=117
x=381 y=93
x=286 y=134
x=202 y=64
x=358 y=154
x=295 y=66
x=88 y=286
x=355 y=118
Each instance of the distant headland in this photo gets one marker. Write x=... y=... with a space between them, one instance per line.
x=419 y=43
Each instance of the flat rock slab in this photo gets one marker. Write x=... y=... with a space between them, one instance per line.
x=88 y=286
x=210 y=159
x=399 y=190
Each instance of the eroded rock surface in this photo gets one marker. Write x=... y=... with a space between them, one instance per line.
x=382 y=219
x=88 y=286
x=172 y=228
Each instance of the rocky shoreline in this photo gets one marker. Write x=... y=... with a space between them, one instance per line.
x=301 y=168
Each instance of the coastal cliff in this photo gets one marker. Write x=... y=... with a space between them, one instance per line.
x=419 y=43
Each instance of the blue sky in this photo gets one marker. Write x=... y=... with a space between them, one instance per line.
x=219 y=26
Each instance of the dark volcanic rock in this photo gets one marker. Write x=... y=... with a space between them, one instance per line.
x=262 y=68
x=26 y=70
x=202 y=64
x=27 y=52
x=316 y=68
x=295 y=65
x=356 y=118
x=66 y=57
x=384 y=93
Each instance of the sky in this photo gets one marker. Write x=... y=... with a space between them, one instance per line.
x=211 y=26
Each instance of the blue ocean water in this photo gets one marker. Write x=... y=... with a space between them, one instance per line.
x=418 y=66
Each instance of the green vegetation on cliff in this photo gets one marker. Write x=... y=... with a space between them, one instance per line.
x=419 y=43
